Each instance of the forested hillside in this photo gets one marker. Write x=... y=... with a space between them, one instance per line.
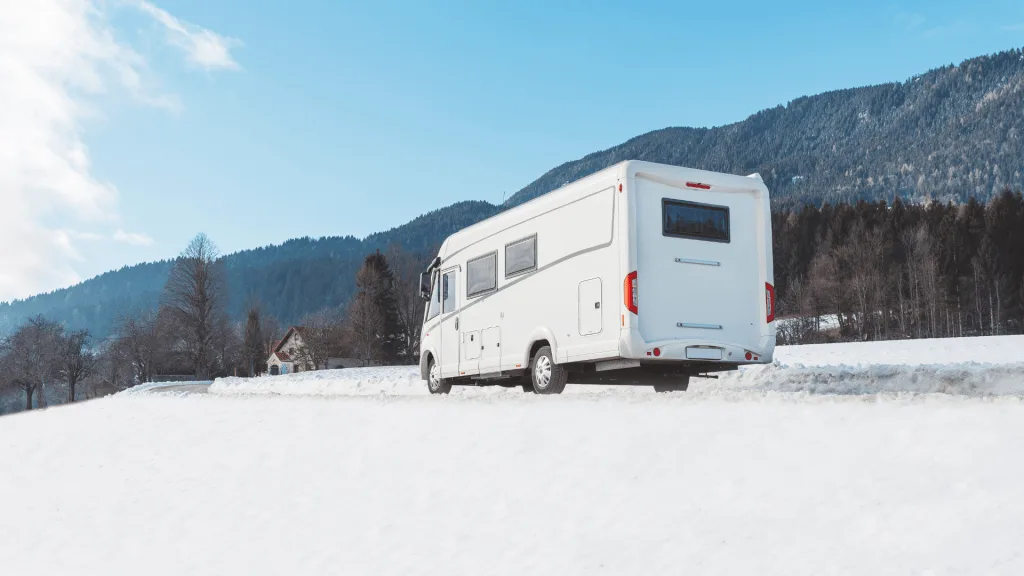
x=289 y=280
x=950 y=134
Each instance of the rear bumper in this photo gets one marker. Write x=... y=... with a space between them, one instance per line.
x=633 y=346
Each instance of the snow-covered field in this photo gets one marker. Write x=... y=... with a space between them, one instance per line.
x=743 y=475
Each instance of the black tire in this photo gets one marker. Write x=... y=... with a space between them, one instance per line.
x=435 y=383
x=680 y=384
x=546 y=377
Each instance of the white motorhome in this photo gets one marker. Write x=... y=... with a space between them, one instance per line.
x=639 y=273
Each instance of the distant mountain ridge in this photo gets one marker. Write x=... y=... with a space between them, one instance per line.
x=949 y=134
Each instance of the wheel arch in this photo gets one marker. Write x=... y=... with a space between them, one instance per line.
x=425 y=356
x=535 y=342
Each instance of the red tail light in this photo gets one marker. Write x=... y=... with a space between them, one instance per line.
x=769 y=300
x=699 y=185
x=629 y=291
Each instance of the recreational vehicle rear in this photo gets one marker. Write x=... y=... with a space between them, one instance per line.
x=639 y=273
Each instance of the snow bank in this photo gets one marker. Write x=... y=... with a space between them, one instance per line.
x=156 y=386
x=964 y=366
x=391 y=380
x=968 y=379
x=981 y=350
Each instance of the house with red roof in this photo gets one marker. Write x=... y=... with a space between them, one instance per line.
x=288 y=356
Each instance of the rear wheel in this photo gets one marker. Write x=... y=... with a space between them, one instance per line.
x=435 y=383
x=679 y=384
x=546 y=376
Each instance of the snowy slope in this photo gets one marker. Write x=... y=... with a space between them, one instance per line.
x=739 y=476
x=531 y=485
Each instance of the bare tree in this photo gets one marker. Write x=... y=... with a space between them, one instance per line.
x=227 y=345
x=271 y=336
x=195 y=293
x=407 y=270
x=75 y=361
x=33 y=350
x=321 y=335
x=803 y=323
x=862 y=262
x=825 y=286
x=364 y=326
x=144 y=341
x=114 y=368
x=8 y=378
x=922 y=270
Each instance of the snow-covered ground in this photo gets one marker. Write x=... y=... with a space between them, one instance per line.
x=740 y=476
x=979 y=350
x=973 y=366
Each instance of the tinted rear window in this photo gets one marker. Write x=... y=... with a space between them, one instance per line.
x=696 y=221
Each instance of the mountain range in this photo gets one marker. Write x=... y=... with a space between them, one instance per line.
x=949 y=134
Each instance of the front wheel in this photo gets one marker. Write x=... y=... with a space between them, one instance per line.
x=546 y=376
x=435 y=383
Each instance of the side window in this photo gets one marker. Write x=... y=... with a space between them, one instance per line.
x=434 y=306
x=521 y=256
x=448 y=285
x=482 y=275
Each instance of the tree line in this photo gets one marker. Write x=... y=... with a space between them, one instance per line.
x=190 y=335
x=862 y=271
x=880 y=271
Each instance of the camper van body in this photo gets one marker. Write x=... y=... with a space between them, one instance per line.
x=640 y=268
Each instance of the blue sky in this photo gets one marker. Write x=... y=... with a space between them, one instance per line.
x=336 y=118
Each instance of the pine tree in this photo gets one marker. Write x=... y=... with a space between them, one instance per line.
x=374 y=320
x=252 y=345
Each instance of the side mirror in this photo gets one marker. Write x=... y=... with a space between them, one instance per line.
x=425 y=285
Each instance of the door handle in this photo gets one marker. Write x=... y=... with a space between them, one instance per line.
x=597 y=305
x=456 y=323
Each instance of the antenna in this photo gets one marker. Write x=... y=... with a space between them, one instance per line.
x=503 y=196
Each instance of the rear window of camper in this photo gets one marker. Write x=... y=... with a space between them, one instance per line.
x=696 y=221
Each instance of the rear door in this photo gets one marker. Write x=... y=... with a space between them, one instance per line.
x=698 y=264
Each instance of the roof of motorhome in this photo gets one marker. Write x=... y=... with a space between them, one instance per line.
x=579 y=188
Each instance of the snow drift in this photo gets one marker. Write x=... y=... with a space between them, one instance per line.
x=907 y=366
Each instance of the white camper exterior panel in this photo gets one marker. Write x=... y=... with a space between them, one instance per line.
x=553 y=270
x=575 y=240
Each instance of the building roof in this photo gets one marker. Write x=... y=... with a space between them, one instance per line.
x=287 y=336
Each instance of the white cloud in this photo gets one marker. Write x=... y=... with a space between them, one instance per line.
x=132 y=238
x=203 y=47
x=910 y=21
x=57 y=57
x=918 y=25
